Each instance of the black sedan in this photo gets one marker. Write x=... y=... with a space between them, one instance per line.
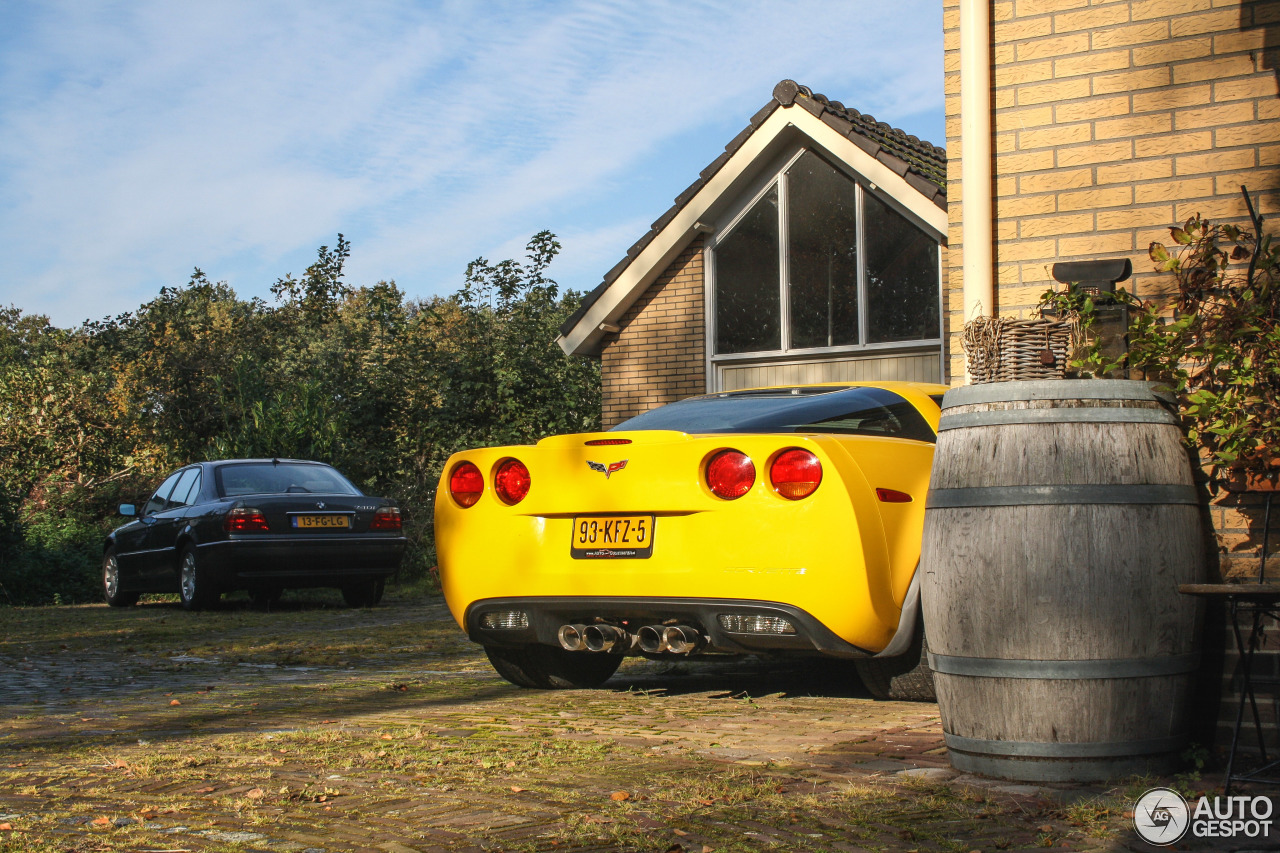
x=261 y=525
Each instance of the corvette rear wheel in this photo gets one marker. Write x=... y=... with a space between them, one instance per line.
x=111 y=583
x=906 y=677
x=547 y=668
x=195 y=588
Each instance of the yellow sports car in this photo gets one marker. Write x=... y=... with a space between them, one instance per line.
x=769 y=521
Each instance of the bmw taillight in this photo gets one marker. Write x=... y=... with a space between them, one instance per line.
x=795 y=473
x=730 y=474
x=466 y=484
x=511 y=481
x=244 y=519
x=386 y=518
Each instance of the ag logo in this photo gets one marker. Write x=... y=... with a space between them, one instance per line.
x=609 y=469
x=1161 y=816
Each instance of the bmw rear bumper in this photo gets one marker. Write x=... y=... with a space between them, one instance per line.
x=300 y=561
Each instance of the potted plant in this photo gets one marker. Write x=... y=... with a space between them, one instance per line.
x=1214 y=342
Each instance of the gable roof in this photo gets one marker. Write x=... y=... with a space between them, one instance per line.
x=905 y=167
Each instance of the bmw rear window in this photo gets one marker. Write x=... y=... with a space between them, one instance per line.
x=280 y=478
x=847 y=411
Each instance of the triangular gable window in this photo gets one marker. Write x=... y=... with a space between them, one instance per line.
x=818 y=263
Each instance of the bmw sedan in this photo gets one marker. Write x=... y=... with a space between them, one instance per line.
x=261 y=525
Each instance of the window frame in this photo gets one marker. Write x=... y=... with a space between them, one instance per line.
x=775 y=175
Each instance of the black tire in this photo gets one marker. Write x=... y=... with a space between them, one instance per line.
x=265 y=596
x=364 y=593
x=111 y=591
x=547 y=668
x=195 y=587
x=905 y=677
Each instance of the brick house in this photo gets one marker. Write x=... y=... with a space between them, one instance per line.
x=810 y=250
x=1086 y=128
x=1107 y=123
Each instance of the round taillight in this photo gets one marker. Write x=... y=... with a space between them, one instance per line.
x=730 y=474
x=511 y=481
x=795 y=473
x=466 y=484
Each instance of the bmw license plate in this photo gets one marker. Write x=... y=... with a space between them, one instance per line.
x=625 y=537
x=321 y=522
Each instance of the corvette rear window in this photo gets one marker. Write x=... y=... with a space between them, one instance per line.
x=280 y=478
x=847 y=411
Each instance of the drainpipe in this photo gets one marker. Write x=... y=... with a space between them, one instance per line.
x=975 y=152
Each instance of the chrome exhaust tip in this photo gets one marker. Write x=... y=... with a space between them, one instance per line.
x=571 y=639
x=650 y=639
x=681 y=639
x=606 y=638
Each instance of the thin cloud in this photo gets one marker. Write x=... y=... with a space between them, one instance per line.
x=137 y=141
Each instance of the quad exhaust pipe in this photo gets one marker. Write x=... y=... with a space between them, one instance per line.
x=571 y=638
x=650 y=639
x=682 y=640
x=606 y=638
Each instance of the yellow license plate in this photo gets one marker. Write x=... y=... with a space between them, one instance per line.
x=612 y=537
x=321 y=522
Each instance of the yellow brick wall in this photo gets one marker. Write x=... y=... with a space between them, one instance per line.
x=1115 y=119
x=659 y=356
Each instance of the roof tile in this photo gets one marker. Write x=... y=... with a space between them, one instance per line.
x=665 y=219
x=706 y=173
x=893 y=161
x=812 y=105
x=785 y=92
x=868 y=145
x=839 y=125
x=764 y=113
x=689 y=192
x=926 y=187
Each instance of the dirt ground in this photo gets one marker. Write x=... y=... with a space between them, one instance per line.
x=316 y=728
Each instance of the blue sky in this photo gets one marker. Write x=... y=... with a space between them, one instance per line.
x=141 y=139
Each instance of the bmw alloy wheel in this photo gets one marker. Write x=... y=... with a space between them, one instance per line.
x=187 y=580
x=111 y=576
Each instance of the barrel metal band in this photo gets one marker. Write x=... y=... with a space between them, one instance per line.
x=1028 y=749
x=1065 y=669
x=1061 y=494
x=1052 y=389
x=1003 y=417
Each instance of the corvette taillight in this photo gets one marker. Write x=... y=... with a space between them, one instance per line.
x=511 y=481
x=244 y=519
x=466 y=484
x=386 y=518
x=730 y=474
x=795 y=473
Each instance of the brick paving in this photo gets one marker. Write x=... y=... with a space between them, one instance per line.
x=420 y=747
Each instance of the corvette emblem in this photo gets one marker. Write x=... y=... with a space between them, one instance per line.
x=609 y=469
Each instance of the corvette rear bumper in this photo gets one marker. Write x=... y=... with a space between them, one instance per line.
x=718 y=620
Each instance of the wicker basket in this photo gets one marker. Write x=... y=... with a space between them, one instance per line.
x=1000 y=349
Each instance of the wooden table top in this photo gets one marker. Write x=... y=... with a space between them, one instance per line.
x=1250 y=591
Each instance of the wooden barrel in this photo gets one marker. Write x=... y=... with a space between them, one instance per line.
x=1061 y=518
